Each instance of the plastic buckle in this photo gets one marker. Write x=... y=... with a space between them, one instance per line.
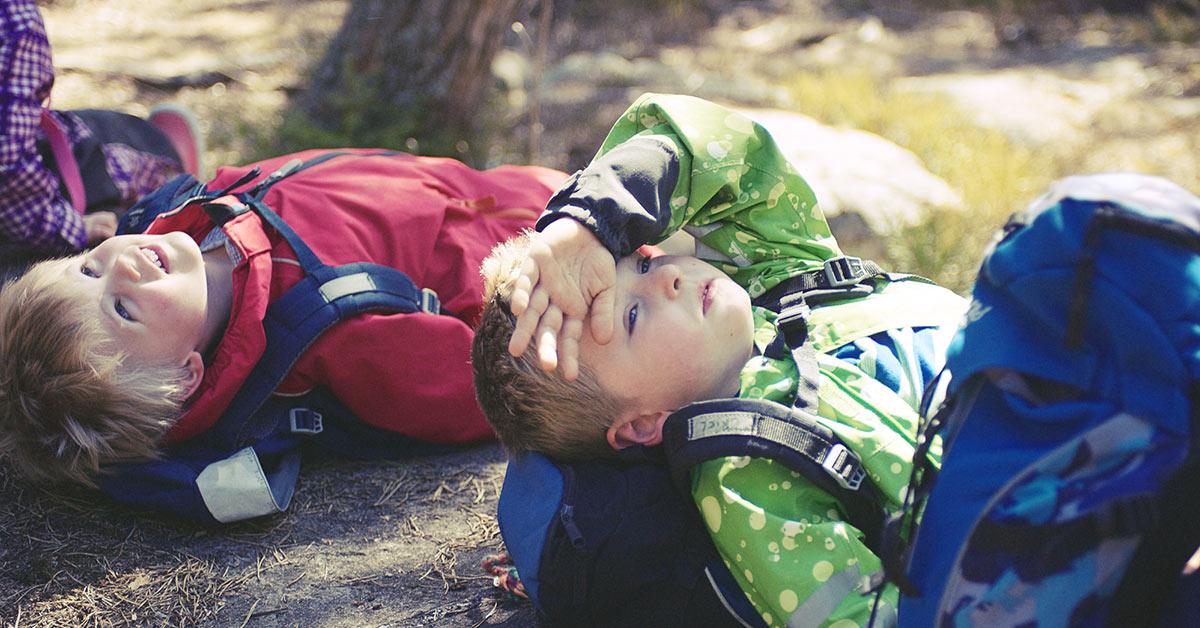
x=844 y=271
x=430 y=304
x=305 y=421
x=844 y=466
x=793 y=322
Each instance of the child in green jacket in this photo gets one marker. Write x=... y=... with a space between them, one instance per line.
x=666 y=331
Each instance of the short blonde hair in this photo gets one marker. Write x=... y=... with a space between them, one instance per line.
x=529 y=408
x=69 y=401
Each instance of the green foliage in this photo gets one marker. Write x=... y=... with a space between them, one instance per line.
x=994 y=175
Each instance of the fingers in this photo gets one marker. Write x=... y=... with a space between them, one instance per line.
x=523 y=287
x=568 y=346
x=528 y=321
x=603 y=316
x=99 y=225
x=547 y=338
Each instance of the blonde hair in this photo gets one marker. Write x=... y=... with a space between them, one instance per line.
x=70 y=401
x=529 y=408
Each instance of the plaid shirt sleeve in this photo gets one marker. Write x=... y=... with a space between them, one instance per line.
x=32 y=210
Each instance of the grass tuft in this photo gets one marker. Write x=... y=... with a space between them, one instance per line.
x=994 y=175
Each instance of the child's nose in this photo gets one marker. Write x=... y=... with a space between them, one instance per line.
x=126 y=267
x=669 y=278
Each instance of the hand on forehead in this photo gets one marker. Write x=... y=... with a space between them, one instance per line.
x=568 y=276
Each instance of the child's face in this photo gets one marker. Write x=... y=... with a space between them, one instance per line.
x=149 y=293
x=683 y=332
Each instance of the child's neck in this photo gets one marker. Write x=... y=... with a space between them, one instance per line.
x=218 y=271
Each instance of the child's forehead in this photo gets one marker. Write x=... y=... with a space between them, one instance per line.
x=54 y=274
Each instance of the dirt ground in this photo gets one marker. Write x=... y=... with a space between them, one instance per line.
x=387 y=544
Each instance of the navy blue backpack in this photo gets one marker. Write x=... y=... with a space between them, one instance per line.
x=1068 y=494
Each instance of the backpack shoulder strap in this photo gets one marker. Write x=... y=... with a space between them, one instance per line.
x=326 y=296
x=765 y=429
x=68 y=167
x=838 y=277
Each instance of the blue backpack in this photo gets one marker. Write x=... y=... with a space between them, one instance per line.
x=1068 y=494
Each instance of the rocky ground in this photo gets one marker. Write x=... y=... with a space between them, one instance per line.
x=372 y=544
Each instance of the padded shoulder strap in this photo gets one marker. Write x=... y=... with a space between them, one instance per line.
x=765 y=429
x=326 y=296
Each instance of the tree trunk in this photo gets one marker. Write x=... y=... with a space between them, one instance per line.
x=410 y=72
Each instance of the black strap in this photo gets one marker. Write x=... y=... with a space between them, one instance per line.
x=839 y=274
x=1064 y=542
x=899 y=529
x=765 y=429
x=1110 y=217
x=792 y=337
x=838 y=278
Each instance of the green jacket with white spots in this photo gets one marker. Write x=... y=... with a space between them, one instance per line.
x=753 y=216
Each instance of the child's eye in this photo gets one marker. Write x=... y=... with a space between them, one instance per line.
x=632 y=318
x=88 y=272
x=644 y=266
x=122 y=312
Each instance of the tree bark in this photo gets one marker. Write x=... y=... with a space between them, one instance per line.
x=411 y=69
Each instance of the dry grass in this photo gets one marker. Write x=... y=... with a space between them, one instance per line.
x=994 y=175
x=71 y=559
x=72 y=562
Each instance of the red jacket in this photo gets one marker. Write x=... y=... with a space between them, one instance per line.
x=435 y=220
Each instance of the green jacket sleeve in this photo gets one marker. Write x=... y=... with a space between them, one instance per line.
x=732 y=189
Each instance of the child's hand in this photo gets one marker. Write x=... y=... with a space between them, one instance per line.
x=99 y=226
x=568 y=273
x=1193 y=564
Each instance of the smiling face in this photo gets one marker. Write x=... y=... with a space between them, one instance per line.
x=149 y=294
x=684 y=331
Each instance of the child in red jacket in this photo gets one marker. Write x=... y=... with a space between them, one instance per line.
x=135 y=348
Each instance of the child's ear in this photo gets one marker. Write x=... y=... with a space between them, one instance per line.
x=195 y=373
x=637 y=429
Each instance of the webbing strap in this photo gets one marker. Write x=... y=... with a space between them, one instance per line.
x=792 y=337
x=838 y=278
x=764 y=429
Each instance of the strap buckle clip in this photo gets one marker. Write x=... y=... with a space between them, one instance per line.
x=844 y=271
x=844 y=466
x=430 y=304
x=305 y=421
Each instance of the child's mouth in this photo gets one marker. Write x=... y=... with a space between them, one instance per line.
x=705 y=300
x=154 y=256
